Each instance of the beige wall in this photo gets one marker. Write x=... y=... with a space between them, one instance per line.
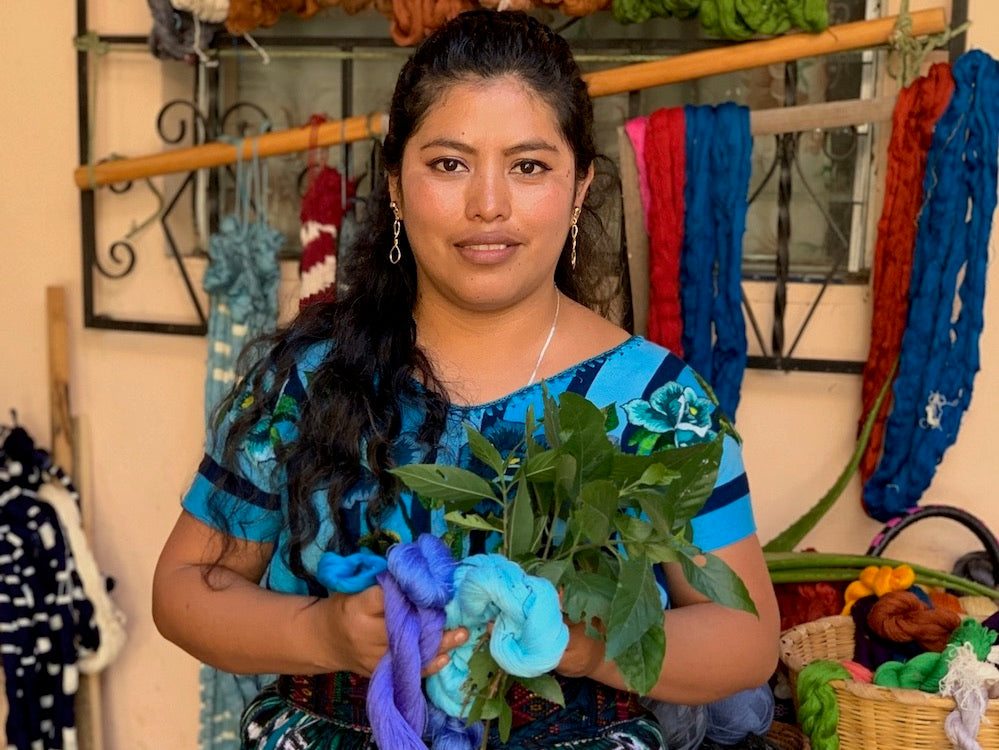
x=140 y=395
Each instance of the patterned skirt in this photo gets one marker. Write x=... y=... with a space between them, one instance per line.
x=326 y=712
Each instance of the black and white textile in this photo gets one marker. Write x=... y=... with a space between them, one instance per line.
x=46 y=619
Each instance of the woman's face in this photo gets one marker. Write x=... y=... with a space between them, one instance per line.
x=486 y=191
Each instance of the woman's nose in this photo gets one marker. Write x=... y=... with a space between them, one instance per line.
x=488 y=197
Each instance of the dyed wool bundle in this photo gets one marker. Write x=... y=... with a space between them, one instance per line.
x=321 y=216
x=917 y=111
x=719 y=147
x=940 y=355
x=665 y=173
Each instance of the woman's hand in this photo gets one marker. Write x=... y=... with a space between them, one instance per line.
x=583 y=655
x=357 y=631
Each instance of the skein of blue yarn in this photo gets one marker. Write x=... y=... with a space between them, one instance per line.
x=418 y=583
x=529 y=635
x=732 y=719
x=718 y=164
x=350 y=574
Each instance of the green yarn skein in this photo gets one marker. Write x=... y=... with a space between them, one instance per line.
x=719 y=17
x=924 y=671
x=818 y=712
x=921 y=672
x=809 y=15
x=765 y=16
x=638 y=11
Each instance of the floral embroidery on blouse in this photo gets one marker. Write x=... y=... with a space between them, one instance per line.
x=674 y=416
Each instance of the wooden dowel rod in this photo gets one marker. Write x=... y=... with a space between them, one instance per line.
x=217 y=153
x=822 y=116
x=842 y=38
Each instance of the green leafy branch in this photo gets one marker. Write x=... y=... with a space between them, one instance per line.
x=572 y=507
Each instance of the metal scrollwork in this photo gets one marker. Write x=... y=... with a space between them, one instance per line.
x=123 y=254
x=197 y=118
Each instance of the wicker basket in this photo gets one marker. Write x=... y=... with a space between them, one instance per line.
x=871 y=716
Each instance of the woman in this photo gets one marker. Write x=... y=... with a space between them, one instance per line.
x=472 y=286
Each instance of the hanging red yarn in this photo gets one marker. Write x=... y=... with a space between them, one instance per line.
x=902 y=617
x=917 y=110
x=321 y=215
x=665 y=164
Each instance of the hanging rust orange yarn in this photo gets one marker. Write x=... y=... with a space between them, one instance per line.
x=414 y=19
x=903 y=617
x=578 y=8
x=246 y=15
x=918 y=108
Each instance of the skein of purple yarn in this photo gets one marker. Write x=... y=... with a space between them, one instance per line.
x=418 y=583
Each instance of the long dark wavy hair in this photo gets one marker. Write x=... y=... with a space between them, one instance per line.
x=374 y=364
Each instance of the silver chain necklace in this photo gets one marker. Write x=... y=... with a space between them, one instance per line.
x=551 y=334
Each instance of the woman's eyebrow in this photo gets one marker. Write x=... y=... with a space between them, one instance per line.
x=464 y=148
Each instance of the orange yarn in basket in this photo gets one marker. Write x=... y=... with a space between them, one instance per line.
x=878 y=580
x=900 y=616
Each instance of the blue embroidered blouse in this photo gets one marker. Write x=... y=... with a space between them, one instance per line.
x=660 y=402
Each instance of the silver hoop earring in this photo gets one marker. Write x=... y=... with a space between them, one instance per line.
x=573 y=233
x=395 y=254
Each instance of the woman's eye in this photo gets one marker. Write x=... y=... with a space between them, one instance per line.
x=448 y=165
x=530 y=167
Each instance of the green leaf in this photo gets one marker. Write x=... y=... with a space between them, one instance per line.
x=697 y=470
x=635 y=608
x=505 y=723
x=593 y=515
x=641 y=663
x=657 y=475
x=710 y=575
x=634 y=531
x=485 y=451
x=520 y=523
x=473 y=521
x=565 y=477
x=611 y=418
x=587 y=595
x=584 y=437
x=458 y=489
x=655 y=504
x=551 y=570
x=544 y=686
x=540 y=467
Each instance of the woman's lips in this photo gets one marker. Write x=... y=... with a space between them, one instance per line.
x=487 y=252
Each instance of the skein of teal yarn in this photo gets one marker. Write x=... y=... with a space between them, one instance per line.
x=818 y=712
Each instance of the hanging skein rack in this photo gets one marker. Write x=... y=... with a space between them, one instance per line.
x=686 y=66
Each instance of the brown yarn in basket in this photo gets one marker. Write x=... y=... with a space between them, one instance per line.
x=901 y=616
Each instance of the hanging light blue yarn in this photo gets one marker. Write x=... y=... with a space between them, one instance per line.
x=940 y=354
x=719 y=149
x=241 y=279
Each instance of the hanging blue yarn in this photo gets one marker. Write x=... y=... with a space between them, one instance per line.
x=241 y=279
x=417 y=584
x=719 y=148
x=939 y=355
x=529 y=635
